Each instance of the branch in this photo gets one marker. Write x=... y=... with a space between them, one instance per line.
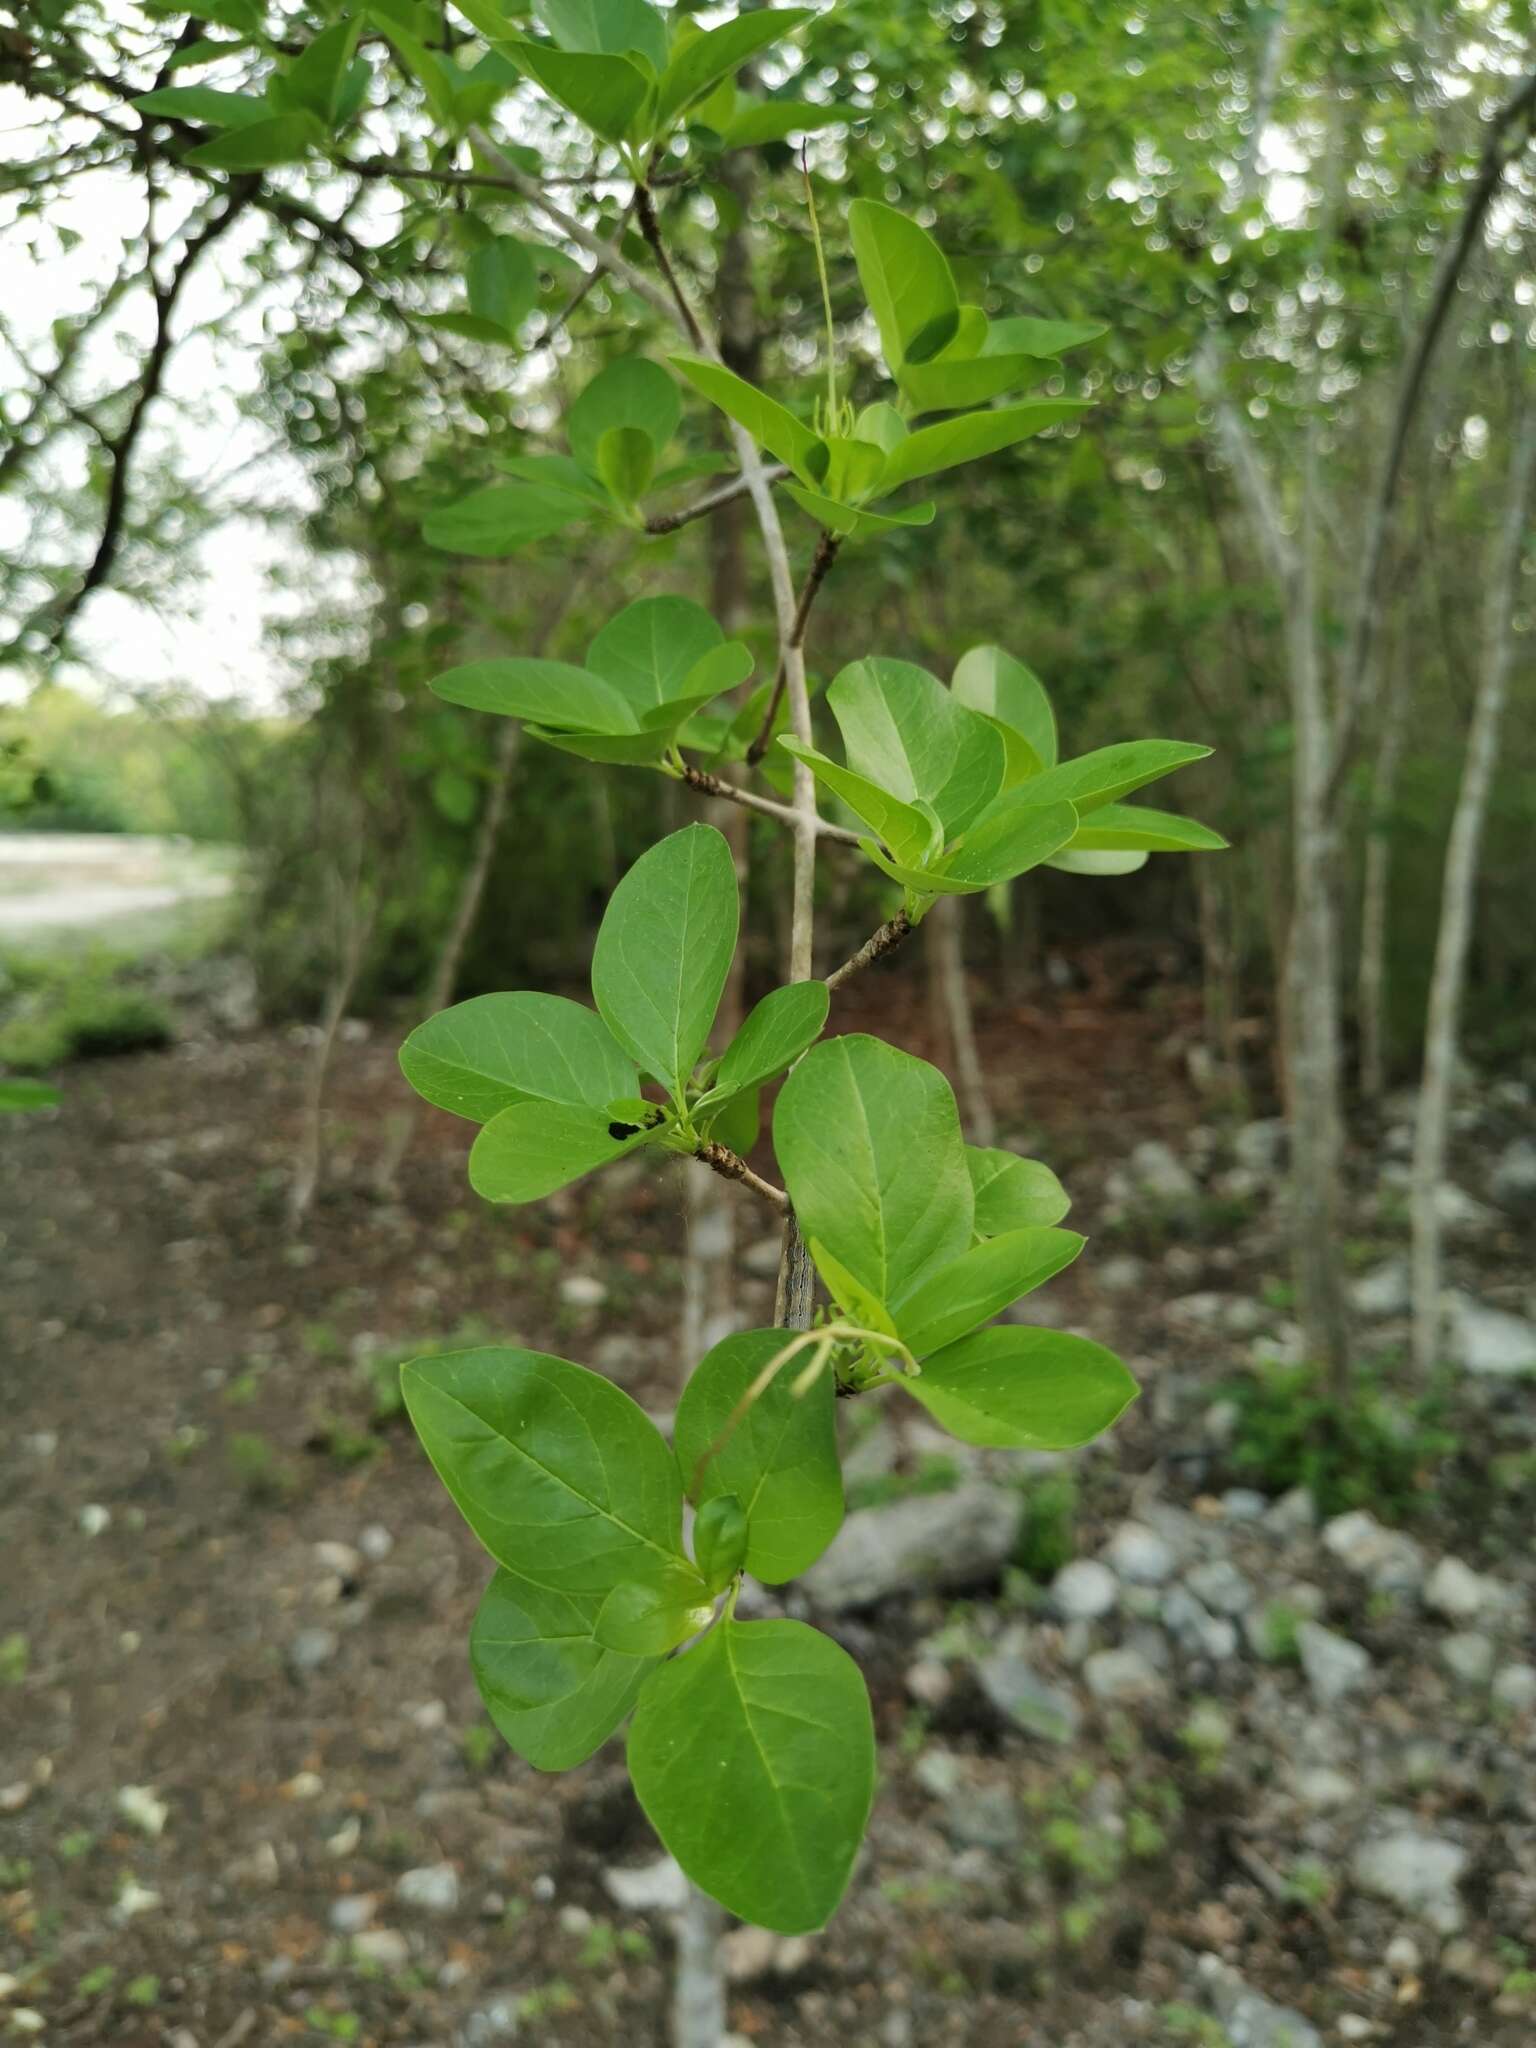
x=1499 y=152
x=732 y=1167
x=122 y=447
x=650 y=227
x=886 y=940
x=716 y=785
x=1254 y=484
x=738 y=487
x=827 y=546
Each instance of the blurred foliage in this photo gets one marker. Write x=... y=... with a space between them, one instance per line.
x=1372 y=1447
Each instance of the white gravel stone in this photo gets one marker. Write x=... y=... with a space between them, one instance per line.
x=1514 y=1688
x=1122 y=1678
x=1416 y=1872
x=1137 y=1554
x=1085 y=1590
x=1335 y=1666
x=433 y=1888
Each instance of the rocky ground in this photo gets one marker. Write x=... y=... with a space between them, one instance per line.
x=1167 y=1756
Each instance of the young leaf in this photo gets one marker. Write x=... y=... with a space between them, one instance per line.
x=907 y=282
x=648 y=1619
x=1021 y=334
x=1131 y=828
x=502 y=517
x=773 y=1037
x=757 y=122
x=993 y=683
x=768 y=422
x=664 y=949
x=868 y=1139
x=903 y=730
x=606 y=94
x=1013 y=1193
x=313 y=82
x=719 y=53
x=626 y=459
x=1013 y=834
x=1085 y=861
x=258 y=145
x=562 y=1478
x=552 y=692
x=631 y=391
x=1024 y=1389
x=553 y=1691
x=980 y=1284
x=905 y=829
x=856 y=522
x=975 y=434
x=492 y=1051
x=753 y=1755
x=502 y=283
x=203 y=103
x=606 y=26
x=720 y=1540
x=946 y=385
x=1112 y=772
x=648 y=651
x=851 y=1296
x=531 y=1148
x=780 y=1461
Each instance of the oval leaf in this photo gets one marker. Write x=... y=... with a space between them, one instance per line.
x=1013 y=1193
x=773 y=1037
x=664 y=950
x=780 y=1461
x=482 y=1056
x=550 y=1687
x=1096 y=779
x=528 y=1150
x=994 y=683
x=777 y=1716
x=907 y=282
x=981 y=1283
x=1024 y=1389
x=562 y=1478
x=869 y=1142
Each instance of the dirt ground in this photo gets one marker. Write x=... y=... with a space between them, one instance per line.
x=235 y=1706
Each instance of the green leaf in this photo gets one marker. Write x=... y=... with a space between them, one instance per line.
x=626 y=459
x=649 y=651
x=770 y=424
x=868 y=1139
x=975 y=434
x=258 y=145
x=552 y=692
x=993 y=683
x=773 y=1037
x=1129 y=828
x=1014 y=833
x=776 y=1717
x=531 y=1148
x=501 y=518
x=855 y=522
x=203 y=103
x=906 y=830
x=502 y=282
x=1021 y=334
x=945 y=385
x=903 y=730
x=1013 y=1193
x=1112 y=772
x=775 y=121
x=562 y=1478
x=980 y=1284
x=422 y=65
x=553 y=1691
x=907 y=282
x=664 y=950
x=780 y=1461
x=719 y=53
x=482 y=1056
x=852 y=1296
x=647 y=1619
x=607 y=94
x=18 y=1095
x=739 y=1122
x=1024 y=1389
x=631 y=391
x=606 y=26
x=313 y=82
x=720 y=1540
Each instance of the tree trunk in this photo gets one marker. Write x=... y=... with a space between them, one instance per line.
x=1375 y=898
x=1456 y=903
x=354 y=921
x=949 y=998
x=698 y=1983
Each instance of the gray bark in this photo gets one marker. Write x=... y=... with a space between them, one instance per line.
x=954 y=1026
x=1458 y=887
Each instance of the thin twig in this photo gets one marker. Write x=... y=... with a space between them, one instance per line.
x=731 y=1166
x=650 y=227
x=875 y=947
x=715 y=785
x=726 y=494
x=827 y=546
